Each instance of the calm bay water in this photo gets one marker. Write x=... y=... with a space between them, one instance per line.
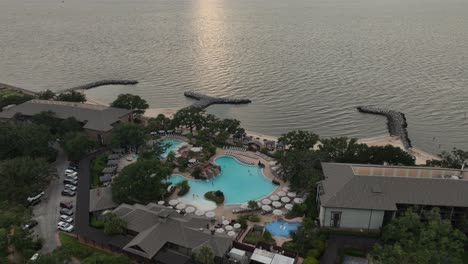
x=306 y=64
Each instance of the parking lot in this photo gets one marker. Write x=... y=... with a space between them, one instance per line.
x=47 y=212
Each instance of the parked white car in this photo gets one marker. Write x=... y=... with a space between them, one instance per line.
x=70 y=187
x=66 y=219
x=65 y=226
x=68 y=171
x=75 y=178
x=71 y=174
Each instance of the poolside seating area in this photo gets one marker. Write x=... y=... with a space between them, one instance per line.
x=235 y=148
x=176 y=132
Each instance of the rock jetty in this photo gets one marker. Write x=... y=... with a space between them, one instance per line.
x=206 y=100
x=101 y=83
x=396 y=122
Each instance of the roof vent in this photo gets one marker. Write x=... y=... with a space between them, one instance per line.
x=376 y=189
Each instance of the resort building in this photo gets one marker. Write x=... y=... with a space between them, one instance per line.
x=366 y=197
x=100 y=200
x=98 y=121
x=161 y=235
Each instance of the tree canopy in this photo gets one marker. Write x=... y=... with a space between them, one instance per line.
x=72 y=96
x=413 y=239
x=22 y=177
x=161 y=122
x=131 y=102
x=453 y=159
x=190 y=117
x=46 y=95
x=299 y=139
x=141 y=182
x=113 y=225
x=204 y=256
x=128 y=135
x=77 y=145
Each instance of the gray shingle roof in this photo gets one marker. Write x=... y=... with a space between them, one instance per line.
x=153 y=233
x=99 y=118
x=101 y=199
x=343 y=189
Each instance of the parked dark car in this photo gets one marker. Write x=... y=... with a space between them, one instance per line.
x=68 y=193
x=66 y=211
x=29 y=225
x=66 y=204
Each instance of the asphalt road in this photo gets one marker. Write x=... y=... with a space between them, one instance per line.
x=47 y=212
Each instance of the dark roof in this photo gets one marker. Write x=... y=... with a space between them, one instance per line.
x=101 y=199
x=343 y=188
x=105 y=178
x=112 y=162
x=109 y=170
x=113 y=157
x=95 y=117
x=156 y=226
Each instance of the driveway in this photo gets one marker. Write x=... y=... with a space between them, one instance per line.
x=47 y=212
x=338 y=242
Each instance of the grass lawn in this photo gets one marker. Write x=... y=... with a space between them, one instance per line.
x=78 y=250
x=96 y=167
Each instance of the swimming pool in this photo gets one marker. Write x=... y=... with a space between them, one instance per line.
x=239 y=182
x=171 y=144
x=281 y=228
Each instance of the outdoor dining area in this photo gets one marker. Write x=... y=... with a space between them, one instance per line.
x=231 y=228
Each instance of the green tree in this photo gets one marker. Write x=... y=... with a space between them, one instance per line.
x=46 y=118
x=299 y=139
x=46 y=95
x=131 y=102
x=72 y=96
x=252 y=205
x=77 y=145
x=304 y=237
x=24 y=140
x=161 y=122
x=454 y=159
x=128 y=135
x=141 y=182
x=22 y=177
x=204 y=256
x=14 y=99
x=113 y=225
x=413 y=239
x=190 y=117
x=300 y=167
x=58 y=256
x=69 y=125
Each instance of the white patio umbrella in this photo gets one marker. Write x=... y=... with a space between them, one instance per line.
x=192 y=160
x=266 y=201
x=210 y=214
x=277 y=204
x=281 y=193
x=266 y=208
x=228 y=227
x=274 y=197
x=181 y=206
x=190 y=209
x=244 y=206
x=231 y=233
x=237 y=225
x=288 y=206
x=291 y=194
x=199 y=212
x=173 y=202
x=277 y=212
x=226 y=222
x=285 y=199
x=220 y=230
x=298 y=200
x=285 y=189
x=161 y=202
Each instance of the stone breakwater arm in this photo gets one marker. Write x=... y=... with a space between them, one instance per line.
x=396 y=122
x=101 y=83
x=205 y=100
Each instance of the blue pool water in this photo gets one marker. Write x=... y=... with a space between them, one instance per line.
x=171 y=144
x=281 y=228
x=239 y=182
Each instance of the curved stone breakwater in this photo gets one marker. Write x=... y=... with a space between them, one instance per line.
x=205 y=100
x=101 y=83
x=396 y=122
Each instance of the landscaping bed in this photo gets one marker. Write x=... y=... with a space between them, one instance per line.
x=96 y=167
x=217 y=197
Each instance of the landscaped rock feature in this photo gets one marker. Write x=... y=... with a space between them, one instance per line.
x=209 y=170
x=101 y=83
x=206 y=100
x=396 y=122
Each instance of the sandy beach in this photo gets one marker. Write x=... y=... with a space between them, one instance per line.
x=420 y=155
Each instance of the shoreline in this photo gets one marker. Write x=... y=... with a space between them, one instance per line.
x=420 y=155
